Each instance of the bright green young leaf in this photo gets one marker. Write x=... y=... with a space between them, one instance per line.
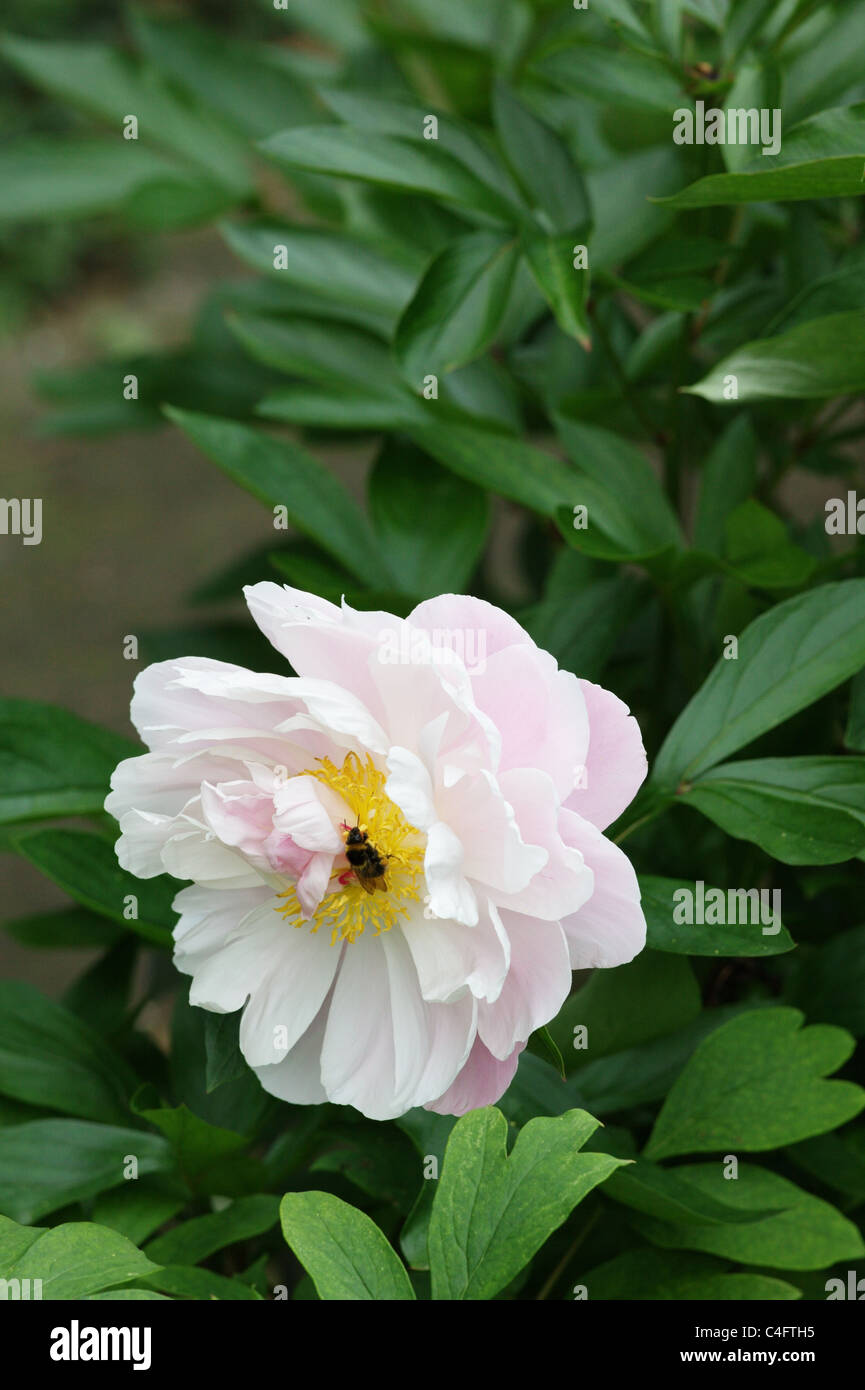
x=787 y=659
x=458 y=306
x=75 y=1260
x=492 y=1212
x=755 y=1083
x=807 y=810
x=807 y=1233
x=342 y=1250
x=823 y=357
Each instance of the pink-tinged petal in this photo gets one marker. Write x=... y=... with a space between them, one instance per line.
x=611 y=929
x=313 y=881
x=239 y=815
x=320 y=640
x=616 y=763
x=539 y=711
x=224 y=980
x=431 y=1040
x=415 y=696
x=495 y=852
x=297 y=1078
x=310 y=813
x=196 y=855
x=485 y=628
x=451 y=895
x=284 y=1000
x=357 y=1056
x=186 y=699
x=538 y=983
x=482 y=1081
x=208 y=920
x=451 y=959
x=564 y=882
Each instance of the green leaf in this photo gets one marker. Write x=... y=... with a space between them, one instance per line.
x=199 y=1146
x=823 y=357
x=491 y=1212
x=202 y=1285
x=85 y=866
x=807 y=1234
x=565 y=288
x=650 y=996
x=755 y=1083
x=658 y=1275
x=507 y=466
x=666 y=1194
x=356 y=279
x=376 y=1158
x=50 y=1058
x=619 y=77
x=542 y=163
x=69 y=927
x=44 y=177
x=821 y=158
x=760 y=551
x=342 y=1250
x=72 y=1261
x=410 y=166
x=808 y=810
x=278 y=472
x=235 y=78
x=661 y=908
x=109 y=84
x=728 y=478
x=225 y=1061
x=52 y=763
x=787 y=659
x=831 y=986
x=46 y=1164
x=193 y=1241
x=854 y=734
x=458 y=306
x=440 y=556
x=635 y=503
x=139 y=1208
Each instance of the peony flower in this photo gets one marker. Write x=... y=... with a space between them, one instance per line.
x=396 y=855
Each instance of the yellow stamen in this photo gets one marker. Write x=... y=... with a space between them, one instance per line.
x=349 y=910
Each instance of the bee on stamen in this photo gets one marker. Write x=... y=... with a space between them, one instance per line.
x=368 y=863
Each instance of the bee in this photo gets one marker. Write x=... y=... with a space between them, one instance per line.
x=369 y=865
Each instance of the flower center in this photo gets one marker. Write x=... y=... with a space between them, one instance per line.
x=349 y=908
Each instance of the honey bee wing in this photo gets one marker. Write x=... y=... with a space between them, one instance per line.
x=380 y=883
x=368 y=884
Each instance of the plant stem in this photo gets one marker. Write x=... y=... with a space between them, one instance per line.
x=569 y=1254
